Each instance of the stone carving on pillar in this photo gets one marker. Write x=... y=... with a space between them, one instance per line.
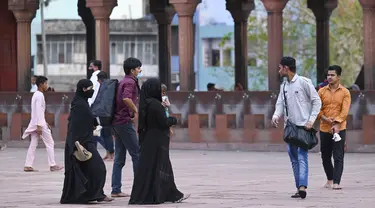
x=101 y=10
x=240 y=11
x=24 y=11
x=322 y=10
x=275 y=40
x=164 y=14
x=369 y=42
x=185 y=10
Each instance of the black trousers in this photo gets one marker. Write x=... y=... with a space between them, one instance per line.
x=329 y=148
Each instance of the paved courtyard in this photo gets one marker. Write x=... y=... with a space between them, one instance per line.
x=215 y=179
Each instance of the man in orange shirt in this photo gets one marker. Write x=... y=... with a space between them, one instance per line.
x=335 y=108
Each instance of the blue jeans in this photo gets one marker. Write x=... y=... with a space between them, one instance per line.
x=126 y=139
x=106 y=139
x=300 y=165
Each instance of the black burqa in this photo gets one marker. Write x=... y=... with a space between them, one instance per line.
x=84 y=181
x=154 y=182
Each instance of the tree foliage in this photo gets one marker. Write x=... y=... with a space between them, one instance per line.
x=299 y=35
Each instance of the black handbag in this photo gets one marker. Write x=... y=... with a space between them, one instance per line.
x=298 y=135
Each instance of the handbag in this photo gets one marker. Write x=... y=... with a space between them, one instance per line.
x=81 y=153
x=298 y=135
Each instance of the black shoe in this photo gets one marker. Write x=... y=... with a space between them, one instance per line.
x=296 y=195
x=302 y=193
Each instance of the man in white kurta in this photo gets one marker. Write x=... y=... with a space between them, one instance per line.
x=39 y=129
x=95 y=66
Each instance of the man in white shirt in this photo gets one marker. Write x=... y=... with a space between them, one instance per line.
x=304 y=105
x=34 y=88
x=95 y=66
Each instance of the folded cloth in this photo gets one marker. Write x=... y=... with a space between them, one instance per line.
x=81 y=153
x=336 y=137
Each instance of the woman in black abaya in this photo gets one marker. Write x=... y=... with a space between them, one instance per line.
x=154 y=182
x=84 y=181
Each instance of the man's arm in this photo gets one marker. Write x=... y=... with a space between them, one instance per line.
x=127 y=96
x=39 y=111
x=315 y=101
x=345 y=107
x=279 y=107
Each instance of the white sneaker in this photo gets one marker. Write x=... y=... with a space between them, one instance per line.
x=336 y=137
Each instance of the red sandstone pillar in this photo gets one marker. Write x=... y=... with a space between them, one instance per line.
x=275 y=40
x=185 y=10
x=101 y=10
x=369 y=42
x=322 y=11
x=240 y=11
x=24 y=11
x=164 y=15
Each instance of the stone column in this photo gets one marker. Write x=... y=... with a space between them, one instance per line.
x=275 y=40
x=185 y=10
x=369 y=42
x=101 y=10
x=89 y=21
x=322 y=11
x=24 y=11
x=164 y=15
x=240 y=11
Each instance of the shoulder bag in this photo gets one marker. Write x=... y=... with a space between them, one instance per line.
x=298 y=135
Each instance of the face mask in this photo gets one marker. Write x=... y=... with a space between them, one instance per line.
x=139 y=75
x=89 y=93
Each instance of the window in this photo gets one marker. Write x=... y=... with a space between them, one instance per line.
x=215 y=54
x=40 y=54
x=147 y=53
x=140 y=51
x=227 y=57
x=61 y=54
x=69 y=53
x=154 y=53
x=113 y=53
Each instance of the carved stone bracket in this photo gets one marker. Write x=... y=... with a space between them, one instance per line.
x=274 y=5
x=23 y=10
x=185 y=7
x=101 y=9
x=240 y=9
x=322 y=9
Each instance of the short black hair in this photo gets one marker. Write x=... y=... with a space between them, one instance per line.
x=210 y=85
x=290 y=62
x=34 y=76
x=97 y=63
x=40 y=80
x=335 y=68
x=102 y=76
x=131 y=63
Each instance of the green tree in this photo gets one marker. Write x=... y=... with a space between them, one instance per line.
x=299 y=32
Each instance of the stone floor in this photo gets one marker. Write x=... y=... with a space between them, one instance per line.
x=215 y=179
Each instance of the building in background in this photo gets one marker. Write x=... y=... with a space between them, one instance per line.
x=66 y=50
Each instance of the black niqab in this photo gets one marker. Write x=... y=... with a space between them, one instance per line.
x=150 y=91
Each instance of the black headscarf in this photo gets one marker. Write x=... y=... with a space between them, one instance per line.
x=150 y=92
x=84 y=83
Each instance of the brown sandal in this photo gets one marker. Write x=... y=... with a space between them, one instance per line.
x=29 y=169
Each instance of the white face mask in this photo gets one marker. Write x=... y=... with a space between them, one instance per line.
x=139 y=75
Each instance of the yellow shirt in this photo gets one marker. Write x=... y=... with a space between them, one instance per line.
x=336 y=105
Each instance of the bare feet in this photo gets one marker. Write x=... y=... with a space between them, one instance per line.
x=56 y=168
x=120 y=195
x=29 y=169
